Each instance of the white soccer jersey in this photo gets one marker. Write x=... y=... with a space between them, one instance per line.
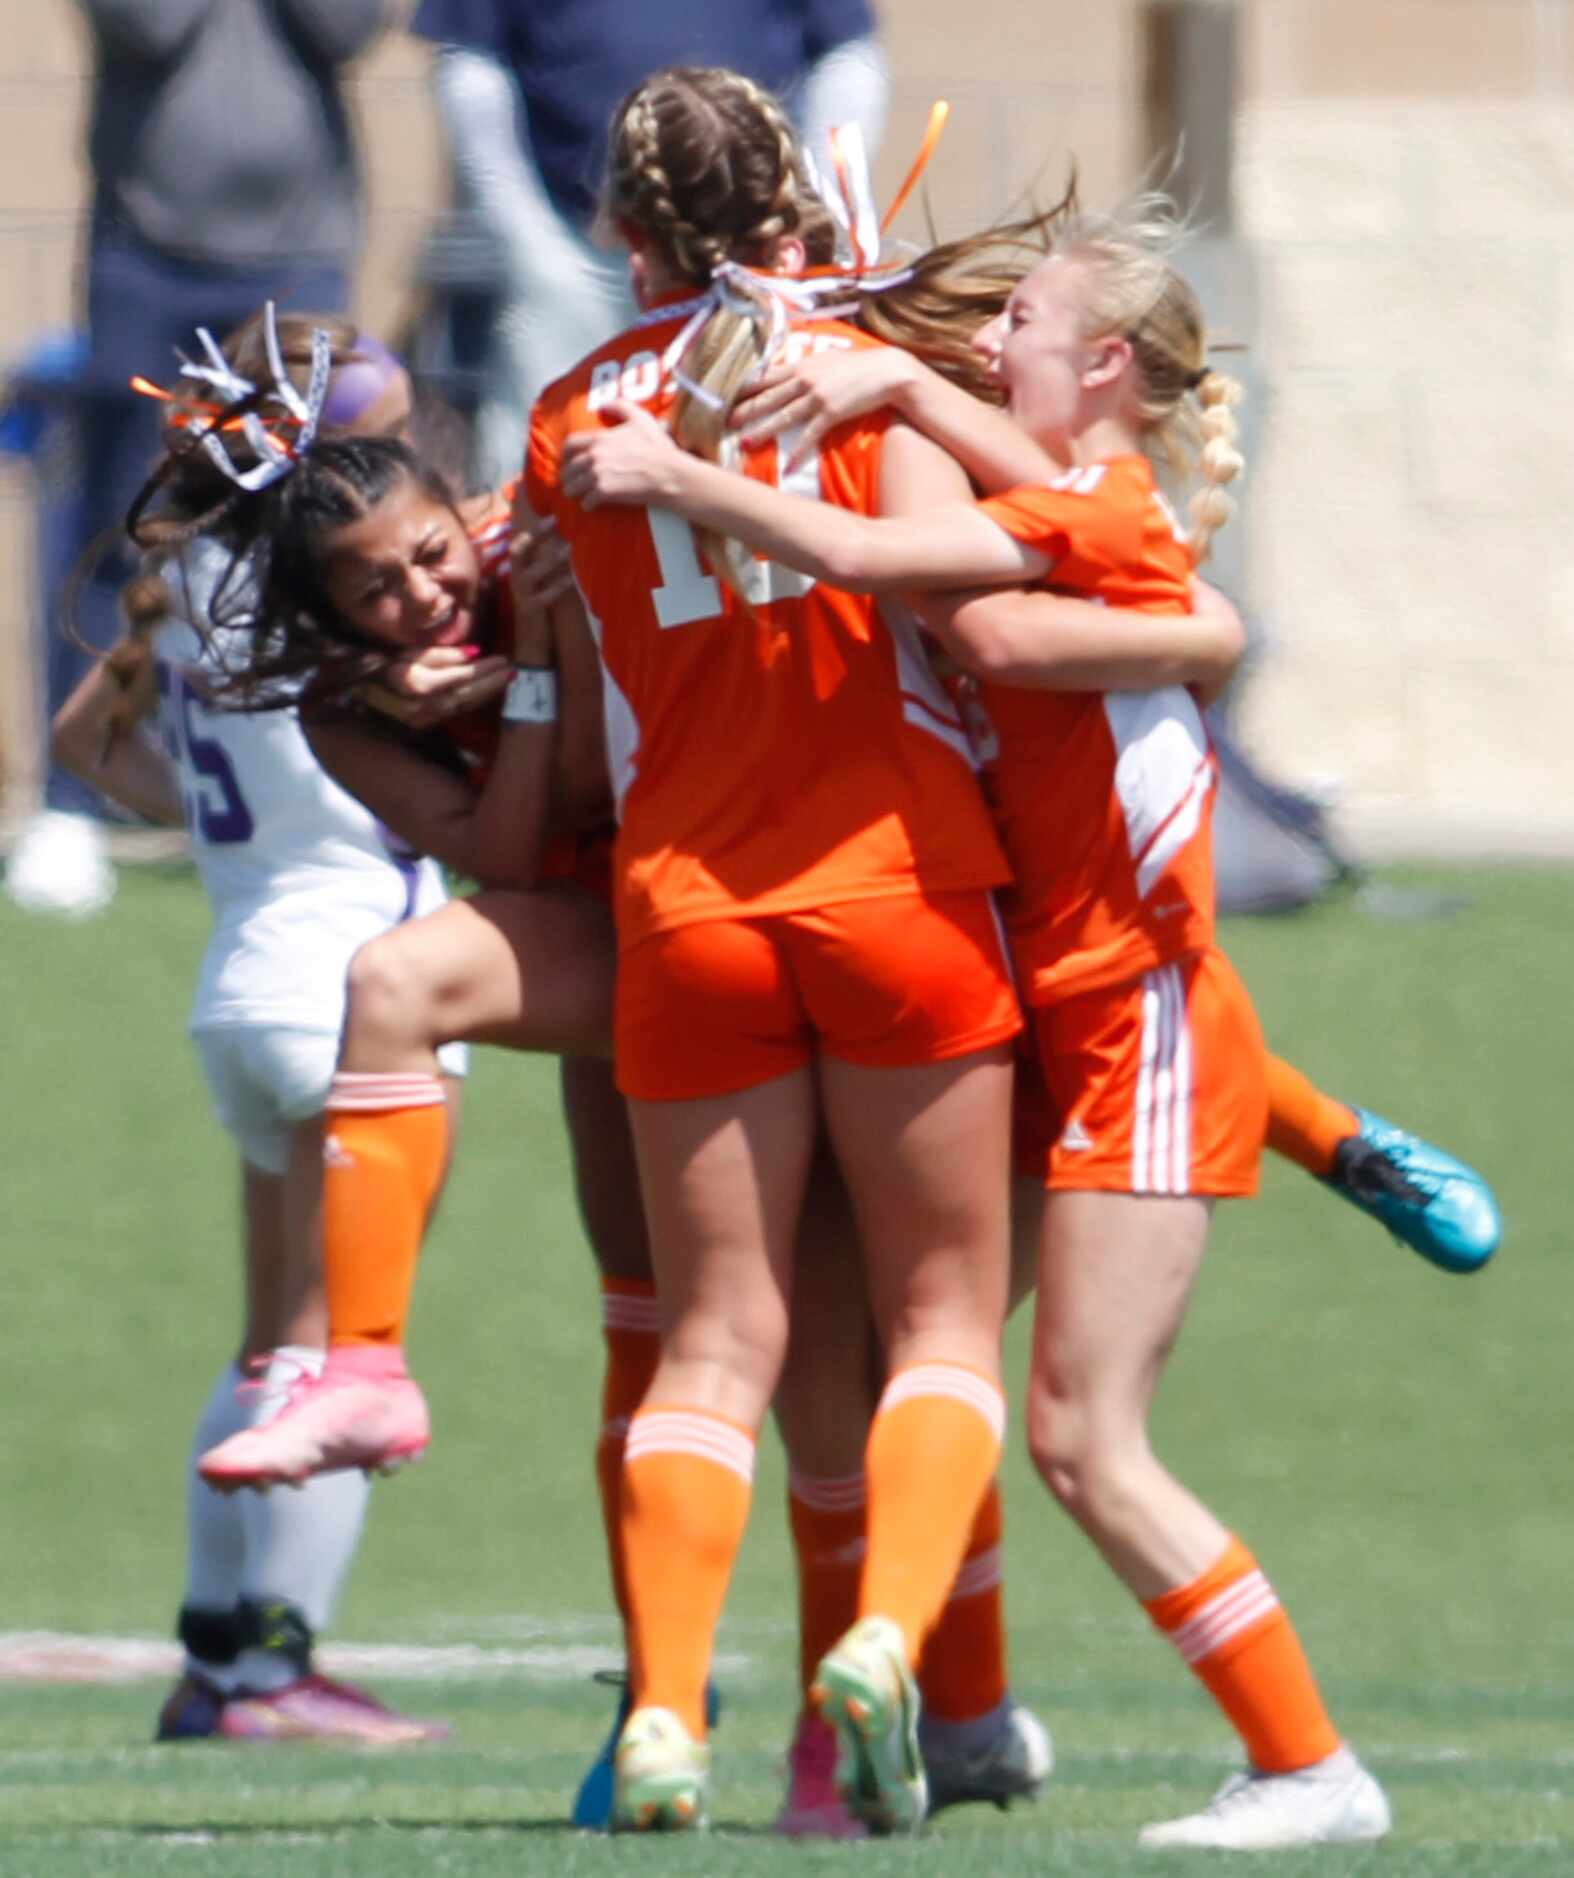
x=299 y=874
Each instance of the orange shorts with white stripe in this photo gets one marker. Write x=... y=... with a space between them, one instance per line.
x=1157 y=1085
x=717 y=1006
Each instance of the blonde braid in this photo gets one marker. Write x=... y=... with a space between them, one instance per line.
x=646 y=195
x=1186 y=409
x=706 y=164
x=1219 y=460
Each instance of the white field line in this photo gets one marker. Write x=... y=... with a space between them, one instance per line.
x=60 y=1656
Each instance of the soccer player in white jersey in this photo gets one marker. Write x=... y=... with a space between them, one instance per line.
x=298 y=875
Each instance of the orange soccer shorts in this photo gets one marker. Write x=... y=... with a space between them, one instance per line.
x=1157 y=1085
x=722 y=1005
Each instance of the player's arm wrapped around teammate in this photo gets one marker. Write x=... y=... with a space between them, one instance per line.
x=636 y=462
x=1049 y=642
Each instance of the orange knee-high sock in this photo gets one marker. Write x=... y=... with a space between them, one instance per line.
x=1304 y=1125
x=933 y=1448
x=384 y=1154
x=962 y=1673
x=1234 y=1634
x=687 y=1477
x=827 y=1518
x=631 y=1329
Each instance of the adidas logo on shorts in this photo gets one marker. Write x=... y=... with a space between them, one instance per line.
x=1074 y=1138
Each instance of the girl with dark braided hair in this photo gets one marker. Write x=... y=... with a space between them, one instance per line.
x=358 y=559
x=297 y=874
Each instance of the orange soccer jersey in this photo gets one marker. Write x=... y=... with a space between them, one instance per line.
x=766 y=757
x=1104 y=800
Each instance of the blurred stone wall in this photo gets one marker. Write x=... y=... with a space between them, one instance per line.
x=1403 y=181
x=40 y=203
x=1405 y=176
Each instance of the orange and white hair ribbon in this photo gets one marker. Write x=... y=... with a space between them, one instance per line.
x=851 y=200
x=828 y=293
x=939 y=112
x=275 y=458
x=859 y=218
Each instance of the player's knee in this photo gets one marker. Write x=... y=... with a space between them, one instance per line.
x=1053 y=1441
x=387 y=992
x=1081 y=1466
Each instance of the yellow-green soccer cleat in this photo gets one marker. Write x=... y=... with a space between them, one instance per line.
x=865 y=1690
x=660 y=1773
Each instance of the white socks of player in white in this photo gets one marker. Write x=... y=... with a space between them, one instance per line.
x=294 y=1547
x=215 y=1536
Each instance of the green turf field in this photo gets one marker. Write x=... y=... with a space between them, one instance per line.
x=1392 y=1442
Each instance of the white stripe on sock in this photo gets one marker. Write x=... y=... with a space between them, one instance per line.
x=950 y=1380
x=362 y=1092
x=687 y=1431
x=622 y=1311
x=839 y=1493
x=1222 y=1617
x=977 y=1575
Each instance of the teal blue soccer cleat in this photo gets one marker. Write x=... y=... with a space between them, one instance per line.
x=1433 y=1203
x=593 y=1802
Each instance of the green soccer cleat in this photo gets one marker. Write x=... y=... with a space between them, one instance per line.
x=865 y=1690
x=660 y=1774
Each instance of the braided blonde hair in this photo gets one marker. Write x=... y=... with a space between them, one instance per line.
x=705 y=165
x=1186 y=408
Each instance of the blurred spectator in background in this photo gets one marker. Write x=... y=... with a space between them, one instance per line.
x=224 y=173
x=525 y=90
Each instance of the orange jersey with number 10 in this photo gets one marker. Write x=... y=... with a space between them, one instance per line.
x=771 y=757
x=1104 y=800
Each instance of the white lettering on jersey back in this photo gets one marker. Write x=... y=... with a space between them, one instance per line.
x=638 y=379
x=1162 y=774
x=687 y=592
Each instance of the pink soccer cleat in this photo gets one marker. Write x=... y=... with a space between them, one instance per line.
x=317 y=1709
x=363 y=1411
x=813 y=1809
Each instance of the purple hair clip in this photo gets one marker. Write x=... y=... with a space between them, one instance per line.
x=359 y=381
